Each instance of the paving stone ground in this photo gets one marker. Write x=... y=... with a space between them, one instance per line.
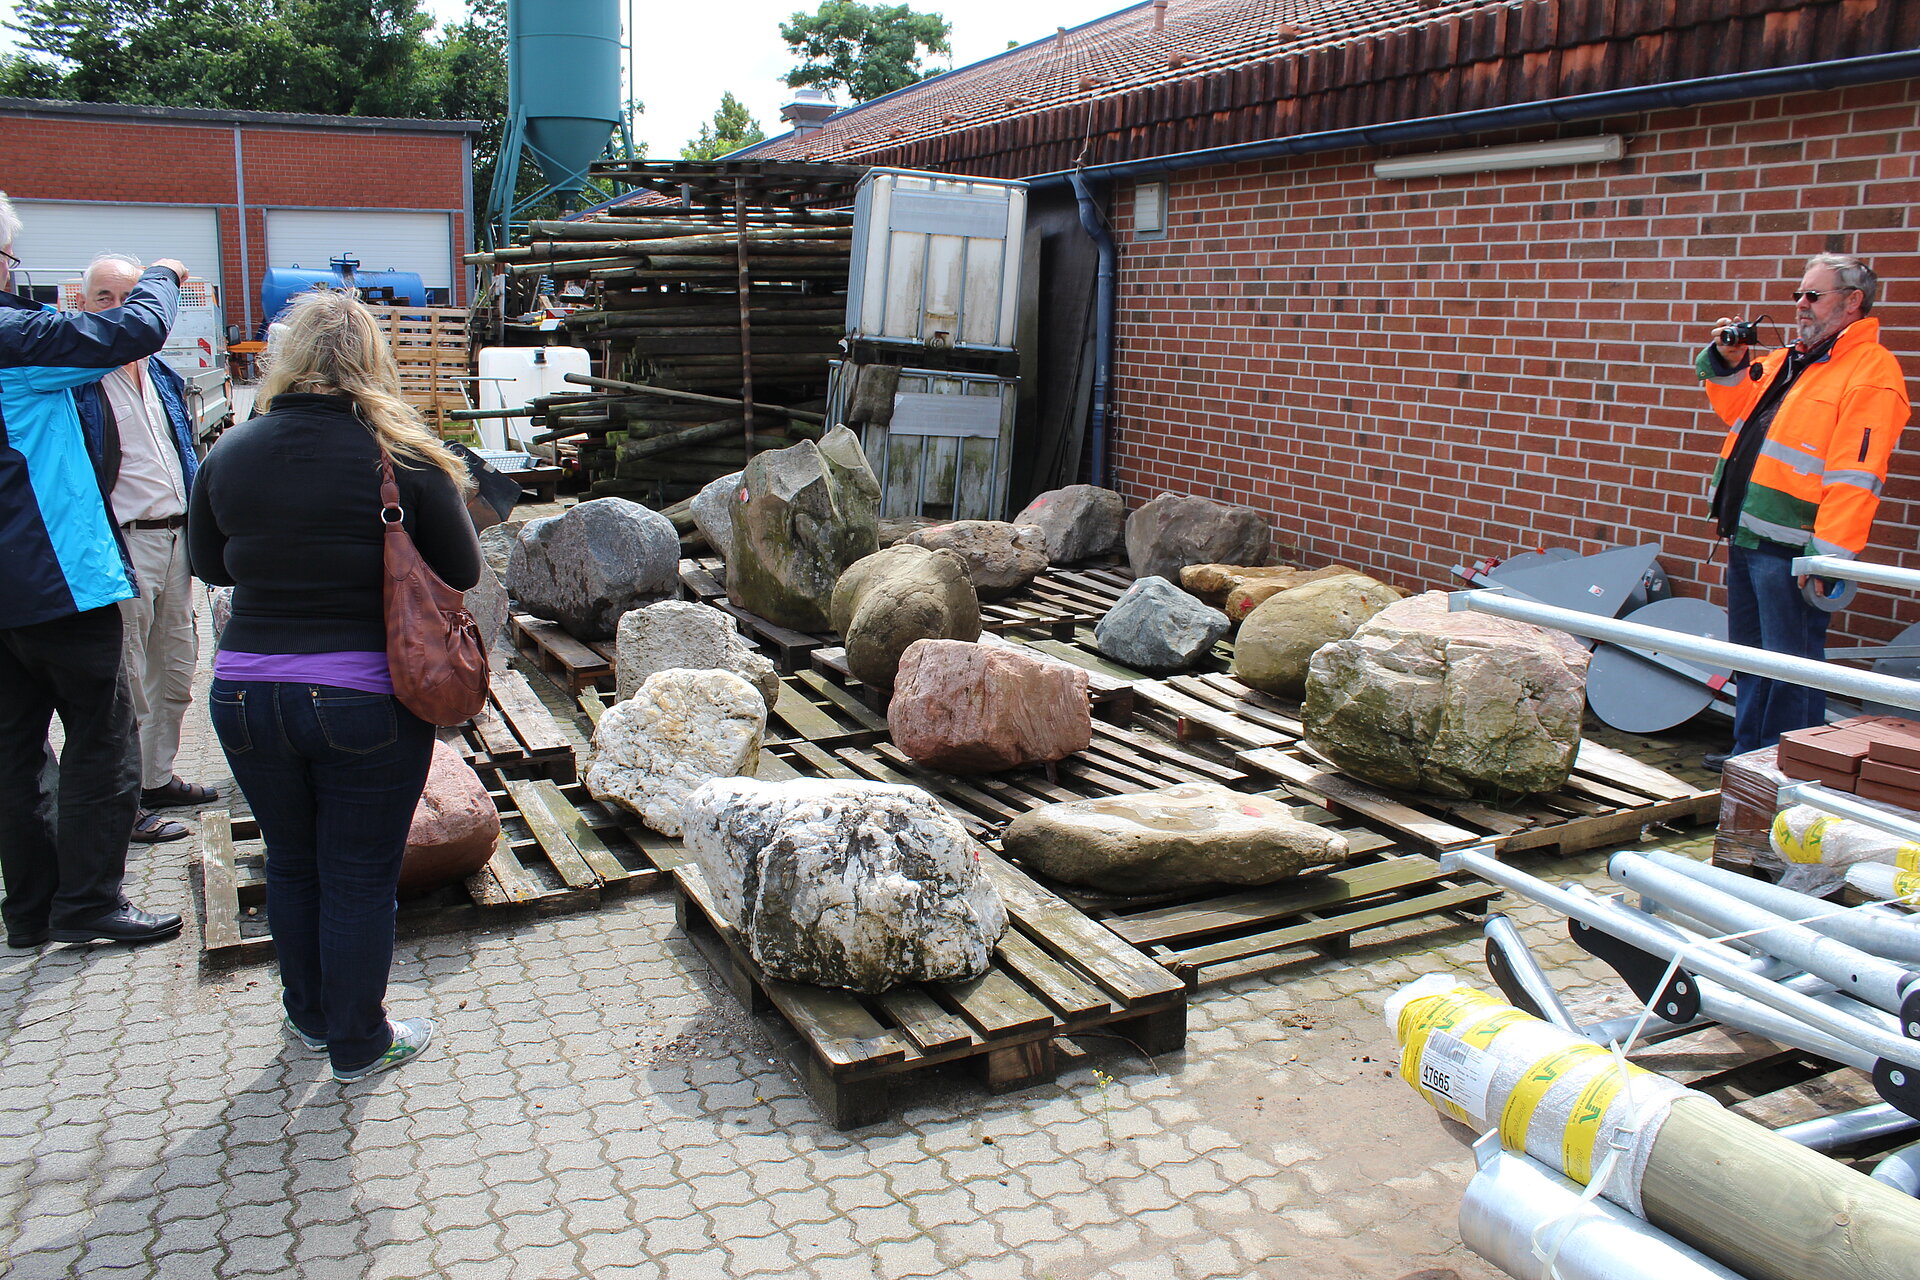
x=596 y=1105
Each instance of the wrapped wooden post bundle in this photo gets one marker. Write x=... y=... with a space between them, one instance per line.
x=1717 y=1182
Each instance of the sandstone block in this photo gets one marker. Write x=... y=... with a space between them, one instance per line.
x=970 y=708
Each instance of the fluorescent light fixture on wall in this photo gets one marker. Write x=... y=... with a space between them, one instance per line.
x=1150 y=207
x=1521 y=155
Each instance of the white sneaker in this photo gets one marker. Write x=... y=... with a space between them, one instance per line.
x=410 y=1040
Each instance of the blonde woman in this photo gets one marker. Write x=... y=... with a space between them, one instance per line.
x=286 y=509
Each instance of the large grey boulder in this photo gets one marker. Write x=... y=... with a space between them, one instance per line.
x=1276 y=640
x=1079 y=522
x=682 y=728
x=587 y=566
x=496 y=545
x=487 y=601
x=694 y=637
x=1199 y=833
x=1458 y=704
x=712 y=509
x=1158 y=628
x=1174 y=531
x=890 y=599
x=810 y=511
x=1001 y=558
x=863 y=885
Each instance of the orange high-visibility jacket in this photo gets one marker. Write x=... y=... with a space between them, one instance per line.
x=1816 y=484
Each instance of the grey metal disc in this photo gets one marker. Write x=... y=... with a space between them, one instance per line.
x=1654 y=586
x=1907 y=668
x=1531 y=559
x=1633 y=692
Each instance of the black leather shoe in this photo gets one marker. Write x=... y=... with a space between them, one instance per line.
x=128 y=924
x=27 y=940
x=1715 y=761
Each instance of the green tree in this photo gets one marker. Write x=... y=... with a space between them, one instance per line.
x=868 y=49
x=730 y=129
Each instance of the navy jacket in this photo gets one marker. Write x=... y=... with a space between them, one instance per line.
x=60 y=553
x=91 y=400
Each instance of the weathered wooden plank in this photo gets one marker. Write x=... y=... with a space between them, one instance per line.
x=552 y=835
x=1343 y=924
x=997 y=1005
x=1274 y=902
x=574 y=826
x=1062 y=931
x=1621 y=769
x=221 y=927
x=503 y=880
x=1053 y=980
x=924 y=1021
x=1344 y=793
x=532 y=723
x=1221 y=724
x=805 y=719
x=860 y=712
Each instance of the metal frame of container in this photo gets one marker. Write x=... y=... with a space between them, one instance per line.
x=931 y=248
x=961 y=461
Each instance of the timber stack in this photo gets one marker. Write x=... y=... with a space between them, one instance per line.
x=713 y=325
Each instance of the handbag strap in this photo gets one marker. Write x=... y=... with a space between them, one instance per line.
x=389 y=493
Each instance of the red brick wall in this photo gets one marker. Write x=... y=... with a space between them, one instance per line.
x=1412 y=374
x=169 y=163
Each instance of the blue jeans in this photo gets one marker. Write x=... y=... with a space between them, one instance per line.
x=1765 y=610
x=333 y=776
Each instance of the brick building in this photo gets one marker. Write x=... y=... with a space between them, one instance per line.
x=232 y=193
x=1408 y=373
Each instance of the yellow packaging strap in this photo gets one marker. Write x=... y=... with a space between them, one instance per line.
x=1805 y=848
x=1906 y=887
x=1464 y=1012
x=1532 y=1086
x=1589 y=1109
x=1907 y=857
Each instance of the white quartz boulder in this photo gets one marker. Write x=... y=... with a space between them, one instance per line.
x=681 y=729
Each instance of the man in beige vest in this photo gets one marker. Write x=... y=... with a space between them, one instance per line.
x=137 y=418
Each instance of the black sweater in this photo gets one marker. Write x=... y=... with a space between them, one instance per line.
x=286 y=509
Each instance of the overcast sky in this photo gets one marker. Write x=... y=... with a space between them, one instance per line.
x=688 y=53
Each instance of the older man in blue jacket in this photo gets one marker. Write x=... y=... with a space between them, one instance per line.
x=63 y=572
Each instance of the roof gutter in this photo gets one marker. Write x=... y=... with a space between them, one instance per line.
x=1841 y=73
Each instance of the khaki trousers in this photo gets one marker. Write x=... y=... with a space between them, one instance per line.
x=160 y=646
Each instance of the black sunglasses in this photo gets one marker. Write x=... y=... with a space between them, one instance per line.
x=1814 y=295
x=11 y=260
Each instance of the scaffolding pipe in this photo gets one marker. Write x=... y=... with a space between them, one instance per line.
x=1842 y=805
x=1878 y=982
x=1901 y=1170
x=1880 y=575
x=1890 y=937
x=1862 y=686
x=1701 y=961
x=1514 y=1201
x=1844 y=1128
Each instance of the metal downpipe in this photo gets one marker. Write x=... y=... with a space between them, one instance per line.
x=1105 y=303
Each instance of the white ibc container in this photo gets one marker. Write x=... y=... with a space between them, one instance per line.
x=510 y=377
x=948 y=453
x=936 y=260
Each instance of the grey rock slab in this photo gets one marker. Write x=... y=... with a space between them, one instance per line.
x=1001 y=557
x=862 y=885
x=810 y=512
x=587 y=566
x=1079 y=522
x=695 y=637
x=1158 y=628
x=496 y=544
x=487 y=601
x=1174 y=531
x=713 y=512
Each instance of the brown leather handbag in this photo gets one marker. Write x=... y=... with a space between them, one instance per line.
x=434 y=650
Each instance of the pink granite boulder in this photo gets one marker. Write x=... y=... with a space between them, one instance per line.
x=973 y=708
x=454 y=826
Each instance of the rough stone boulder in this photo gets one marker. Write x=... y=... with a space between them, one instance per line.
x=809 y=512
x=487 y=601
x=1199 y=833
x=1250 y=595
x=712 y=509
x=1174 y=531
x=693 y=637
x=1079 y=522
x=496 y=545
x=222 y=607
x=895 y=597
x=1276 y=640
x=587 y=566
x=976 y=708
x=1216 y=583
x=1001 y=558
x=897 y=529
x=454 y=826
x=1158 y=628
x=1457 y=704
x=681 y=729
x=864 y=885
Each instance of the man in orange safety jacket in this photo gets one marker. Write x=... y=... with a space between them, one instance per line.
x=1800 y=473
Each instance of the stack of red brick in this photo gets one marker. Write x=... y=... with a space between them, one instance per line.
x=1875 y=757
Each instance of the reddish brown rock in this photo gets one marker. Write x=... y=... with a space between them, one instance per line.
x=1250 y=595
x=454 y=826
x=971 y=708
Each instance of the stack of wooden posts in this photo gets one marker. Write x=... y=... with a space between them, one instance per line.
x=430 y=346
x=699 y=312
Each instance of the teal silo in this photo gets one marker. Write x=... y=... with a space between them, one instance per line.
x=564 y=61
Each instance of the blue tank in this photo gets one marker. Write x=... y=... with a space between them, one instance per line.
x=403 y=288
x=564 y=56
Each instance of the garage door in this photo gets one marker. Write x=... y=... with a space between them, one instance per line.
x=310 y=238
x=61 y=238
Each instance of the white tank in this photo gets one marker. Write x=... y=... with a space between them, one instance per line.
x=510 y=377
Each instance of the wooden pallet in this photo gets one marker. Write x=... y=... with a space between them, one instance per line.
x=1610 y=797
x=560 y=850
x=431 y=350
x=1059 y=602
x=573 y=664
x=514 y=734
x=1055 y=974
